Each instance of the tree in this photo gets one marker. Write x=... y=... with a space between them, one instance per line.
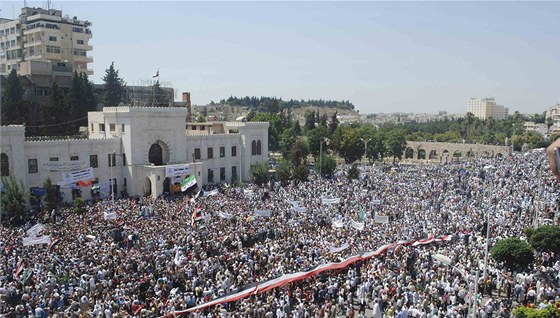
x=315 y=137
x=13 y=201
x=301 y=172
x=80 y=100
x=299 y=152
x=283 y=171
x=52 y=197
x=14 y=109
x=327 y=166
x=333 y=124
x=251 y=115
x=309 y=120
x=200 y=118
x=114 y=86
x=297 y=128
x=79 y=206
x=287 y=140
x=545 y=239
x=549 y=122
x=259 y=173
x=395 y=144
x=353 y=172
x=55 y=116
x=513 y=252
x=346 y=141
x=275 y=128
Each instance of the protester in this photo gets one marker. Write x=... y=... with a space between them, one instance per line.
x=144 y=257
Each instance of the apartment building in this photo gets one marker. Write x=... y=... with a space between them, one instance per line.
x=486 y=108
x=45 y=36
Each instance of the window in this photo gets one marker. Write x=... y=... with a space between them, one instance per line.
x=122 y=127
x=74 y=158
x=52 y=38
x=53 y=159
x=112 y=127
x=254 y=148
x=93 y=161
x=202 y=127
x=222 y=152
x=234 y=151
x=92 y=130
x=196 y=153
x=233 y=173
x=223 y=174
x=193 y=127
x=32 y=165
x=258 y=147
x=210 y=153
x=53 y=49
x=5 y=165
x=112 y=159
x=78 y=30
x=80 y=52
x=210 y=175
x=102 y=127
x=124 y=159
x=80 y=42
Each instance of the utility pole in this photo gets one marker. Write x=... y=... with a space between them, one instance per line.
x=324 y=139
x=365 y=146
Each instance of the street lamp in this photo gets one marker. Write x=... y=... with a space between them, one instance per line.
x=327 y=140
x=365 y=145
x=448 y=262
x=113 y=159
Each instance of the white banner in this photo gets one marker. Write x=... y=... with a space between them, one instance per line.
x=109 y=215
x=376 y=202
x=294 y=203
x=77 y=175
x=299 y=209
x=262 y=213
x=247 y=192
x=210 y=193
x=64 y=166
x=357 y=225
x=178 y=170
x=381 y=219
x=225 y=215
x=45 y=239
x=337 y=223
x=35 y=230
x=341 y=248
x=330 y=201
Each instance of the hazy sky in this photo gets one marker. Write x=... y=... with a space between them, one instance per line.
x=382 y=56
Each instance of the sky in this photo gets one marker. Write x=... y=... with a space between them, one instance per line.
x=421 y=57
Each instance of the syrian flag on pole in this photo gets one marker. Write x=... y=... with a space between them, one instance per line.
x=19 y=269
x=196 y=216
x=188 y=182
x=53 y=244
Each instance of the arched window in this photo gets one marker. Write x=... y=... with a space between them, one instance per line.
x=155 y=155
x=5 y=165
x=258 y=147
x=254 y=148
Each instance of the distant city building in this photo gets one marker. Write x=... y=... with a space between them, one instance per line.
x=140 y=95
x=554 y=113
x=486 y=108
x=45 y=36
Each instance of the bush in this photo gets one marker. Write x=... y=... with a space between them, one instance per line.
x=79 y=206
x=327 y=166
x=301 y=172
x=545 y=239
x=259 y=173
x=524 y=312
x=353 y=172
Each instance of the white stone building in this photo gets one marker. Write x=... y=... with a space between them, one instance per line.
x=486 y=108
x=136 y=147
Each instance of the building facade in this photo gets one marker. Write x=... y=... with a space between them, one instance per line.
x=45 y=36
x=135 y=148
x=486 y=108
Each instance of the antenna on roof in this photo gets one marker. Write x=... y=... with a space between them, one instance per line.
x=48 y=5
x=25 y=3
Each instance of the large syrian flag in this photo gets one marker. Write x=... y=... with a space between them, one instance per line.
x=188 y=182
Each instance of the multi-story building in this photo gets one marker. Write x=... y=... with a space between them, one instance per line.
x=142 y=150
x=45 y=36
x=486 y=108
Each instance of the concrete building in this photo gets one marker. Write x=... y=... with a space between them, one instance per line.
x=46 y=36
x=486 y=108
x=139 y=149
x=554 y=113
x=140 y=95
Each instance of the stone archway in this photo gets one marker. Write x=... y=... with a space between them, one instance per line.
x=147 y=187
x=485 y=154
x=409 y=153
x=421 y=154
x=167 y=185
x=158 y=154
x=433 y=154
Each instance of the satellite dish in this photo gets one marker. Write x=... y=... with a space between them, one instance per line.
x=442 y=258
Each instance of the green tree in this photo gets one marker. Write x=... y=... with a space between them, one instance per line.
x=114 y=86
x=353 y=172
x=545 y=239
x=79 y=100
x=259 y=173
x=327 y=166
x=13 y=201
x=287 y=140
x=333 y=124
x=299 y=152
x=346 y=141
x=527 y=312
x=395 y=144
x=14 y=109
x=200 y=118
x=297 y=128
x=549 y=122
x=513 y=252
x=55 y=115
x=79 y=206
x=309 y=120
x=251 y=115
x=52 y=197
x=284 y=171
x=314 y=137
x=301 y=172
x=275 y=128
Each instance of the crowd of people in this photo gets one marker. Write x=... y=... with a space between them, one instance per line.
x=159 y=257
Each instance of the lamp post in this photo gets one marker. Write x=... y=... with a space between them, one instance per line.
x=365 y=145
x=327 y=140
x=448 y=262
x=113 y=157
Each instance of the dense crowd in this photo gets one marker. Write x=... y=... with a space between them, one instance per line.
x=165 y=255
